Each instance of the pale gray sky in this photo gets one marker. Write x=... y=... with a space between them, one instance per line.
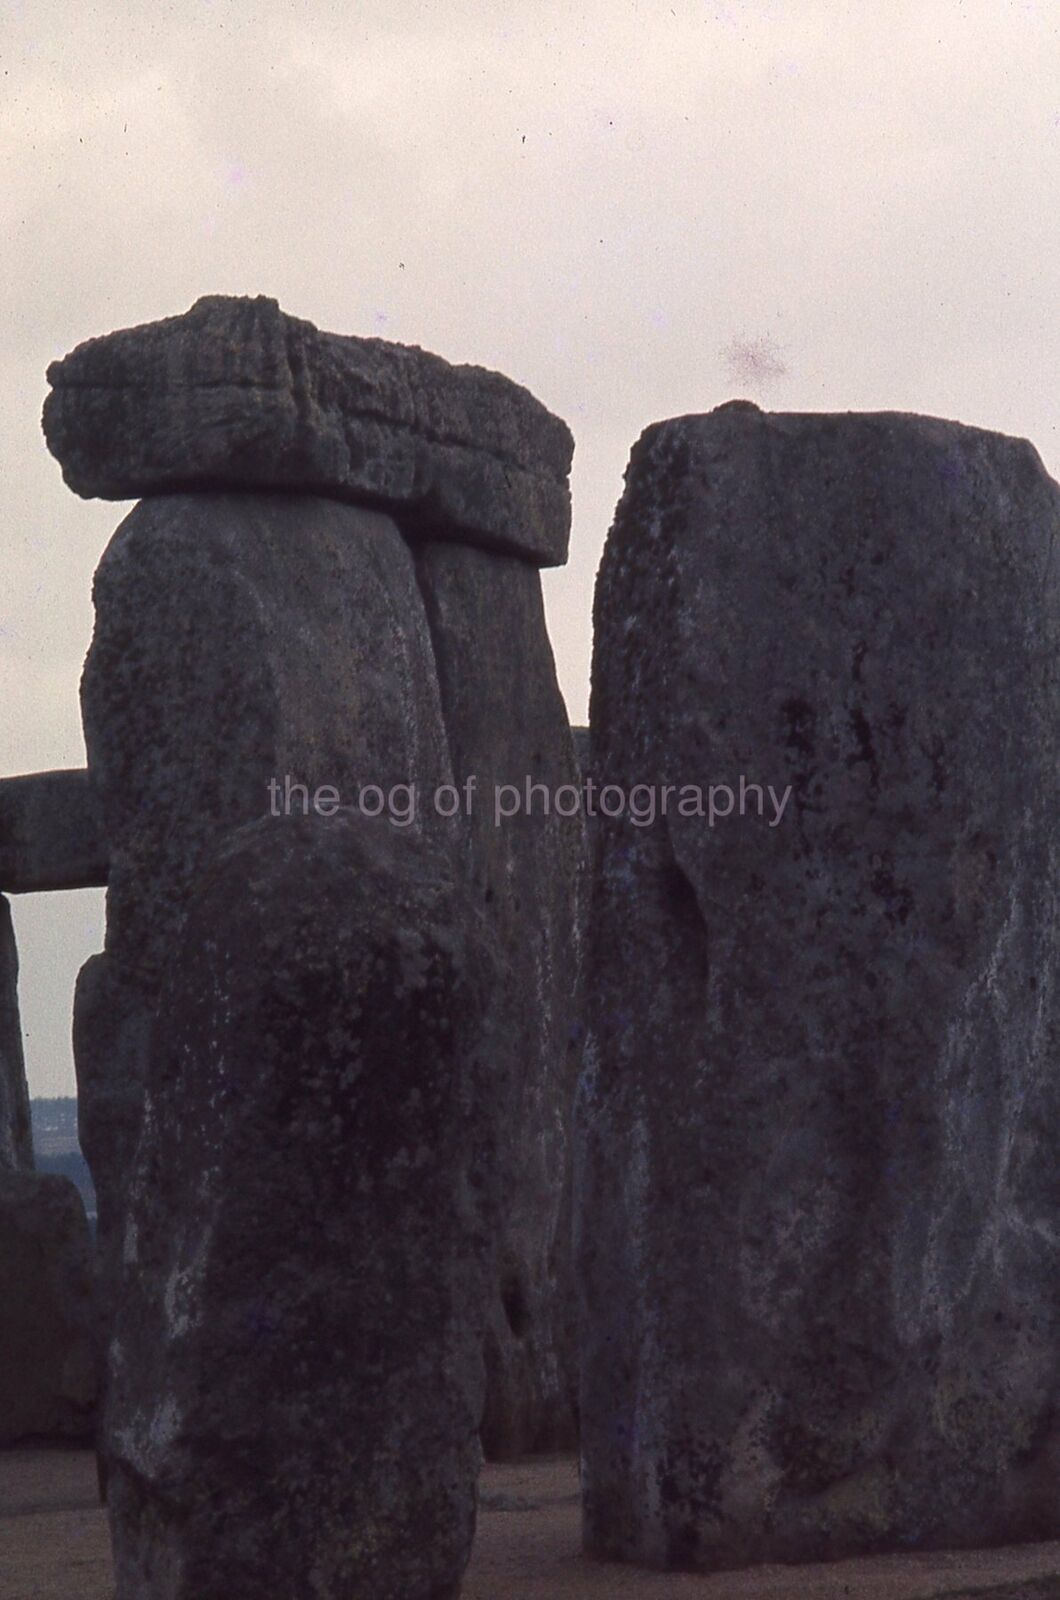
x=637 y=209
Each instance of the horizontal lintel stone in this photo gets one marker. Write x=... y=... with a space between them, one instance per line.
x=236 y=394
x=50 y=833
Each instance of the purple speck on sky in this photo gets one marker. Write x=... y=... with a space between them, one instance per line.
x=754 y=360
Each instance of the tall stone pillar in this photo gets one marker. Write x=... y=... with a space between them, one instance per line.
x=47 y=1377
x=297 y=1373
x=817 y=1194
x=16 y=1139
x=338 y=542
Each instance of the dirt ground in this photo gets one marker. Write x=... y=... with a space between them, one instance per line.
x=53 y=1546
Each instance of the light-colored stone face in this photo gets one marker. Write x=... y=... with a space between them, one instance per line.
x=817 y=1205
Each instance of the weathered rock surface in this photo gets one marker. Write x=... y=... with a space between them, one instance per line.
x=506 y=722
x=817 y=1192
x=47 y=1371
x=113 y=1009
x=49 y=833
x=296 y=1373
x=239 y=639
x=236 y=394
x=16 y=1137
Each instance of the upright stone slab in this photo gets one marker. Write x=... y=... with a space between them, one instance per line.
x=296 y=1371
x=219 y=662
x=507 y=724
x=240 y=639
x=47 y=1359
x=16 y=1138
x=817 y=1195
x=47 y=1369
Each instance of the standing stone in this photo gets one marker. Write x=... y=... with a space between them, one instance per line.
x=507 y=724
x=16 y=1139
x=296 y=1371
x=240 y=639
x=47 y=1377
x=47 y=1366
x=817 y=1194
x=260 y=633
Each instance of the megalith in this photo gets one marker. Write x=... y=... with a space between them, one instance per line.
x=334 y=536
x=47 y=1377
x=507 y=724
x=47 y=1348
x=297 y=1364
x=241 y=641
x=817 y=1202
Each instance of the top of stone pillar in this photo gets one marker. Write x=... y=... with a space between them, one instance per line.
x=237 y=394
x=726 y=434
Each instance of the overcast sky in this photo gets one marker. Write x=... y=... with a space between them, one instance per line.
x=636 y=209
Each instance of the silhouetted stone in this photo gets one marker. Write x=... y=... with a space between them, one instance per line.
x=47 y=1373
x=16 y=1137
x=506 y=723
x=236 y=394
x=111 y=1027
x=818 y=1204
x=49 y=833
x=296 y=1371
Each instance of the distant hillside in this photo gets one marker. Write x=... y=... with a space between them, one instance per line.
x=56 y=1148
x=55 y=1126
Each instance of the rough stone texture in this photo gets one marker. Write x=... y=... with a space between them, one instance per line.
x=47 y=1378
x=238 y=638
x=111 y=1029
x=242 y=636
x=16 y=1136
x=817 y=1192
x=50 y=836
x=236 y=394
x=296 y=1371
x=506 y=721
